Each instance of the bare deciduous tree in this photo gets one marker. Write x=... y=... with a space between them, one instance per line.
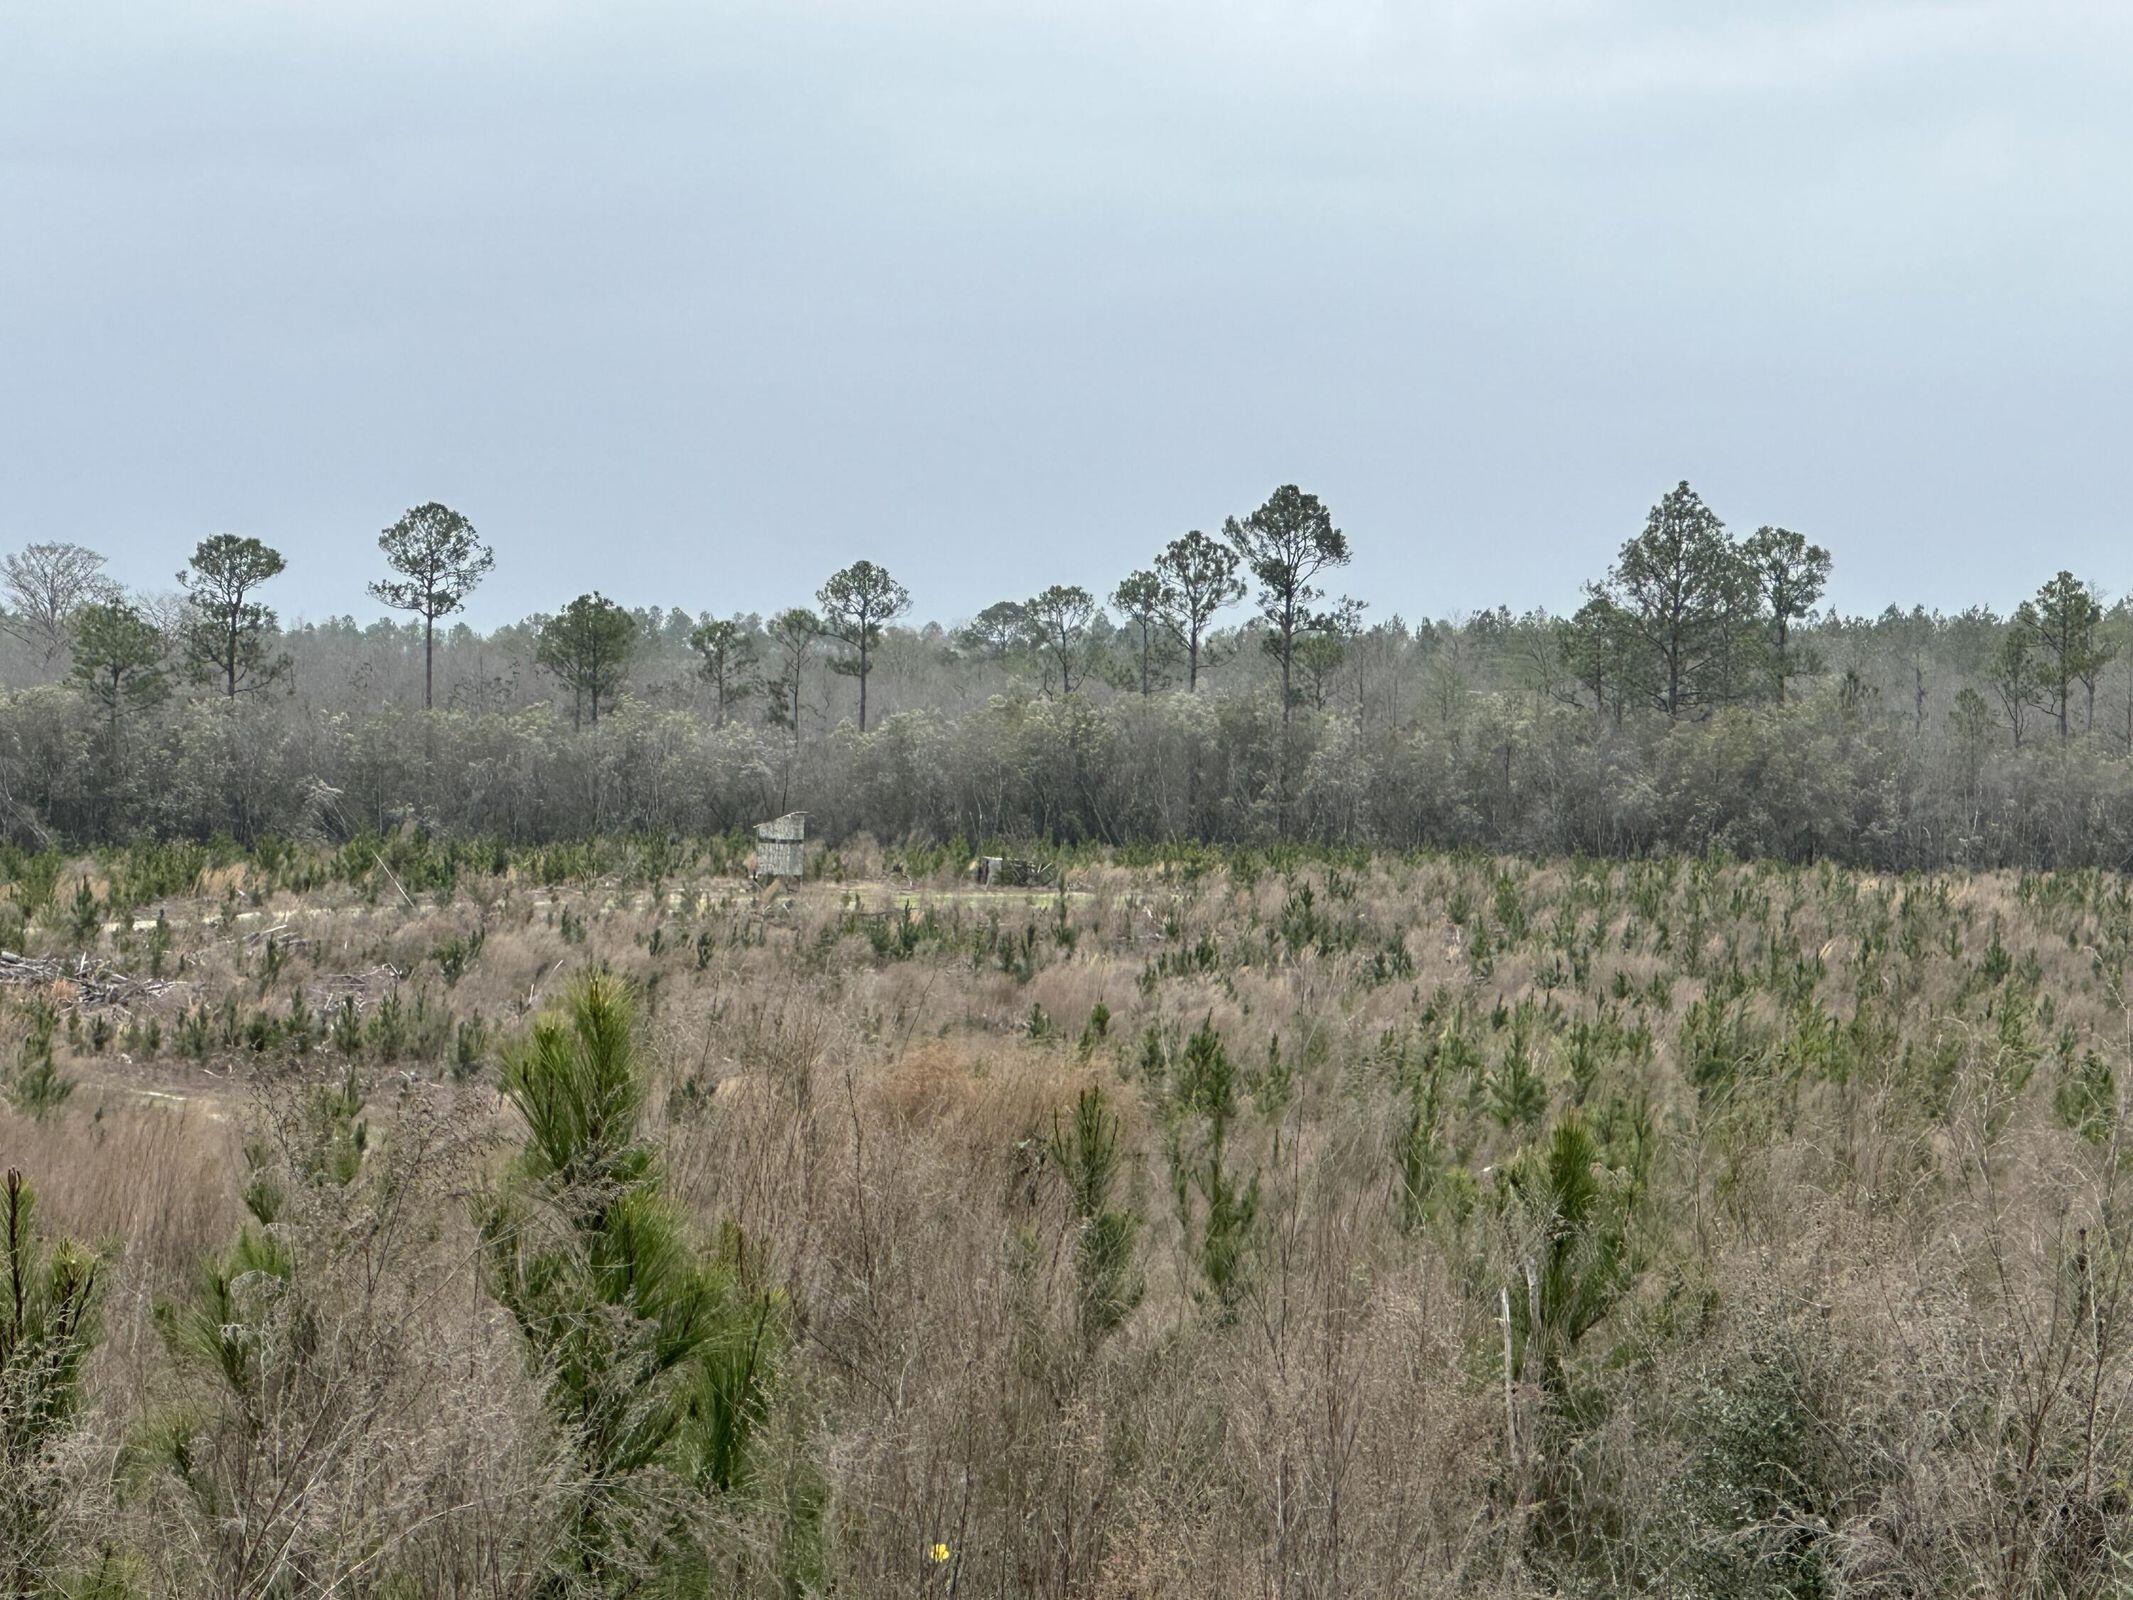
x=44 y=586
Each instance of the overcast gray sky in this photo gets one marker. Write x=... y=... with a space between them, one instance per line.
x=695 y=302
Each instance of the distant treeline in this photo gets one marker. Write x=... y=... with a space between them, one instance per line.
x=1698 y=699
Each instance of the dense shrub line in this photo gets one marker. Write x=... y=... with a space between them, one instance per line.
x=1807 y=781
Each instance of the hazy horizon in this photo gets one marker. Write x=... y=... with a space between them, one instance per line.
x=694 y=305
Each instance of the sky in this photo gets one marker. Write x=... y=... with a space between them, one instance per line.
x=693 y=303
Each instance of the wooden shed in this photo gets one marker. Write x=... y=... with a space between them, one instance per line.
x=780 y=848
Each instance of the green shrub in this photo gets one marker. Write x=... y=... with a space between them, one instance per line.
x=657 y=1355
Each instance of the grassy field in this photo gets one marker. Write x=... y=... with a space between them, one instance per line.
x=1281 y=1226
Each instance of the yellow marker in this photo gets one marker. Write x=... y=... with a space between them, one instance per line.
x=938 y=1553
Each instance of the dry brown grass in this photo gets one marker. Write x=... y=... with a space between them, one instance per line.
x=1905 y=1271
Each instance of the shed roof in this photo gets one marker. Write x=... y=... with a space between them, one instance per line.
x=790 y=828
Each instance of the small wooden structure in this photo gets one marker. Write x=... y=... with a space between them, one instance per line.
x=779 y=846
x=1011 y=872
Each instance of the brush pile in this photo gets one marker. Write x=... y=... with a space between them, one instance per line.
x=81 y=984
